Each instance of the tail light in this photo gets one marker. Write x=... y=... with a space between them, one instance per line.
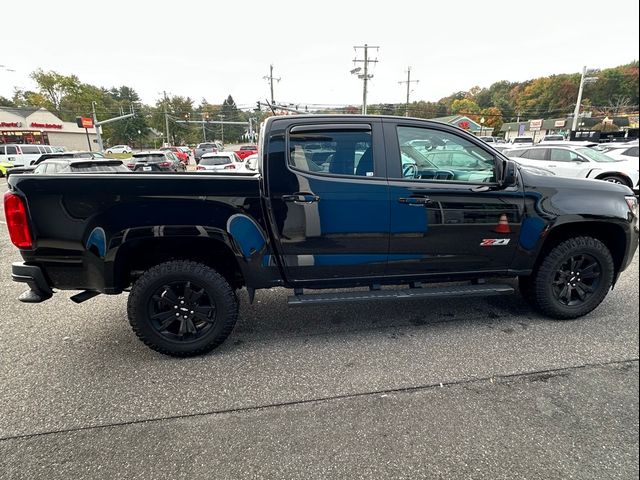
x=17 y=222
x=230 y=167
x=165 y=164
x=200 y=167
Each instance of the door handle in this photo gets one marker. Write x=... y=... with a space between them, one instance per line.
x=301 y=197
x=415 y=201
x=552 y=166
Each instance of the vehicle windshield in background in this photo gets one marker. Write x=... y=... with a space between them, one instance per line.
x=553 y=138
x=522 y=140
x=594 y=155
x=215 y=161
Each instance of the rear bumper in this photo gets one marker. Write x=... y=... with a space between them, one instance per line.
x=39 y=289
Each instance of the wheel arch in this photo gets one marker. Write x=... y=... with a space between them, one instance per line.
x=621 y=175
x=138 y=255
x=610 y=234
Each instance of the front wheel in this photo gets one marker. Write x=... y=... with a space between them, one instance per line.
x=182 y=308
x=572 y=279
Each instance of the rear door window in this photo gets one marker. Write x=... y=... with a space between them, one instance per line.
x=335 y=151
x=535 y=154
x=562 y=155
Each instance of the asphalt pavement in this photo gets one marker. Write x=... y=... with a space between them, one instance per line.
x=480 y=388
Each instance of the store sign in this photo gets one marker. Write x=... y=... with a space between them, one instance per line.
x=560 y=123
x=56 y=126
x=84 y=122
x=464 y=125
x=10 y=124
x=535 y=125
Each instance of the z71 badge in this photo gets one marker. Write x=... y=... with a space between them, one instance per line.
x=495 y=242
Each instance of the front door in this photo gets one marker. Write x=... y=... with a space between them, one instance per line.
x=446 y=214
x=329 y=200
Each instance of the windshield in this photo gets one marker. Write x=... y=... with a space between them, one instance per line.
x=594 y=155
x=215 y=161
x=522 y=140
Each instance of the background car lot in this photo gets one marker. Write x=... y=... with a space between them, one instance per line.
x=479 y=389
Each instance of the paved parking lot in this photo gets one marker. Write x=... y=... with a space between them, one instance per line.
x=423 y=389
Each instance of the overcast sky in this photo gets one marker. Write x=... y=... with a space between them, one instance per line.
x=213 y=49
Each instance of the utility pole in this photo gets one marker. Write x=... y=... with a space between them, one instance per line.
x=97 y=127
x=205 y=118
x=166 y=118
x=271 y=79
x=221 y=117
x=583 y=80
x=365 y=76
x=408 y=81
x=98 y=124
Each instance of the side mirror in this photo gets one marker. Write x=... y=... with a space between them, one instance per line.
x=508 y=177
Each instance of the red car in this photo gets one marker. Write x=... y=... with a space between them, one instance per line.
x=181 y=154
x=246 y=150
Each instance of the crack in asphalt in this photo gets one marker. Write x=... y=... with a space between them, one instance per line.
x=548 y=373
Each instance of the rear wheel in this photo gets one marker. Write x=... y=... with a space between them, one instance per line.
x=182 y=308
x=572 y=280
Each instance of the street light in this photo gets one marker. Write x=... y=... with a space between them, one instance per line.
x=481 y=125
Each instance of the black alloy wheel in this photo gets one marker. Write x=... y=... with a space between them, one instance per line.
x=572 y=279
x=576 y=280
x=182 y=308
x=181 y=311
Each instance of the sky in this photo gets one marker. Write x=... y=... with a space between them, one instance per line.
x=214 y=49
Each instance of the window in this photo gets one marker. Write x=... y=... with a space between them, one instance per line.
x=535 y=154
x=333 y=151
x=30 y=149
x=429 y=154
x=222 y=160
x=632 y=152
x=12 y=151
x=561 y=155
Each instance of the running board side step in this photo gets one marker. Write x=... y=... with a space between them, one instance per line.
x=482 y=290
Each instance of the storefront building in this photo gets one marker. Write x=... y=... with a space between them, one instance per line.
x=39 y=126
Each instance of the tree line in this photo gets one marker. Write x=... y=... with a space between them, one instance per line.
x=614 y=93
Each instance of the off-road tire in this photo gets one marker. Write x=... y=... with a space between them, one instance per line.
x=540 y=291
x=211 y=282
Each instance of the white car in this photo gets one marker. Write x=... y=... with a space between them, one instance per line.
x=251 y=163
x=623 y=151
x=521 y=142
x=119 y=149
x=221 y=162
x=577 y=162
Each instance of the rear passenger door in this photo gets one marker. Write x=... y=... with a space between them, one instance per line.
x=329 y=199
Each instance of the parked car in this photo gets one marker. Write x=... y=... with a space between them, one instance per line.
x=251 y=163
x=183 y=245
x=4 y=166
x=80 y=165
x=245 y=150
x=181 y=154
x=623 y=151
x=70 y=162
x=577 y=162
x=522 y=141
x=156 y=161
x=206 y=147
x=119 y=149
x=221 y=161
x=553 y=138
x=21 y=155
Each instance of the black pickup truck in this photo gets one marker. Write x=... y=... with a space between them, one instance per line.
x=339 y=202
